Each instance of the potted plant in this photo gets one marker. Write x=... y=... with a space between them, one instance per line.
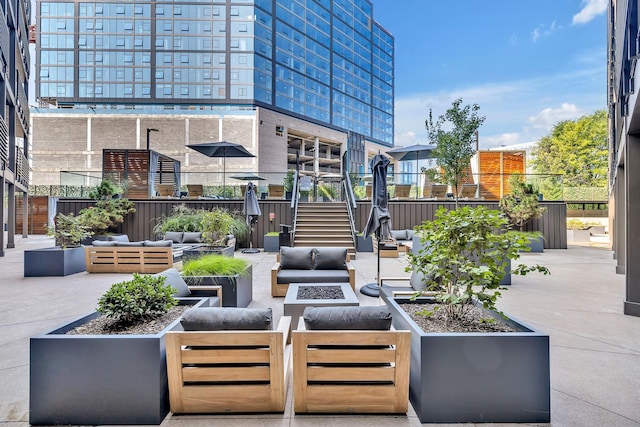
x=578 y=231
x=65 y=258
x=288 y=184
x=272 y=242
x=108 y=367
x=472 y=376
x=235 y=275
x=521 y=206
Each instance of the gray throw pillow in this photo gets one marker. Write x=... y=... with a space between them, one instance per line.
x=119 y=238
x=341 y=318
x=331 y=259
x=417 y=281
x=102 y=243
x=296 y=258
x=226 y=319
x=192 y=237
x=129 y=243
x=399 y=234
x=175 y=236
x=159 y=243
x=175 y=280
x=410 y=233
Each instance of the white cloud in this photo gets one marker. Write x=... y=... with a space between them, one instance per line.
x=500 y=140
x=549 y=117
x=544 y=31
x=590 y=9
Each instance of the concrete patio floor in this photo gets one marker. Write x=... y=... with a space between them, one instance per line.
x=595 y=349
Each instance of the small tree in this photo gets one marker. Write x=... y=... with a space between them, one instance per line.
x=68 y=230
x=454 y=134
x=521 y=205
x=464 y=254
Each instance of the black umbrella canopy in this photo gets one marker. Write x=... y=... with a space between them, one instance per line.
x=379 y=221
x=247 y=176
x=222 y=149
x=413 y=152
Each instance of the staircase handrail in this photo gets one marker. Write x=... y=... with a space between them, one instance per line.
x=295 y=195
x=350 y=202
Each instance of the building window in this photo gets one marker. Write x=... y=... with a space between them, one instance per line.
x=279 y=130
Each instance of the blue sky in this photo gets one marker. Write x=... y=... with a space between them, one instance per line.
x=528 y=63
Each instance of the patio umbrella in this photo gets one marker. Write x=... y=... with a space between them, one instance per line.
x=415 y=152
x=222 y=149
x=379 y=221
x=247 y=176
x=251 y=210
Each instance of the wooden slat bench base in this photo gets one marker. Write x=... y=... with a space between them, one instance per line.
x=127 y=259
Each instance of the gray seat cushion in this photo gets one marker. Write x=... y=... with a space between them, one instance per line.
x=158 y=243
x=175 y=280
x=102 y=243
x=123 y=244
x=176 y=236
x=226 y=319
x=192 y=237
x=313 y=276
x=399 y=234
x=119 y=238
x=331 y=259
x=341 y=318
x=296 y=258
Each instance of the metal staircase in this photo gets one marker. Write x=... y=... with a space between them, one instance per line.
x=324 y=224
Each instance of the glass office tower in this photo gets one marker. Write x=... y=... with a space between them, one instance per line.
x=324 y=61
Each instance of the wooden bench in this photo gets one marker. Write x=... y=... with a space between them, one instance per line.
x=228 y=371
x=352 y=371
x=128 y=259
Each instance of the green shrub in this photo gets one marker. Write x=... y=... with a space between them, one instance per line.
x=182 y=218
x=142 y=298
x=68 y=230
x=214 y=265
x=576 y=224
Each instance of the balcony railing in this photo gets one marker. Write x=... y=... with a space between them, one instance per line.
x=22 y=168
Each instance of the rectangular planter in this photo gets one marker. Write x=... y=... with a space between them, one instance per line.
x=237 y=291
x=99 y=379
x=206 y=250
x=364 y=244
x=271 y=243
x=579 y=236
x=476 y=377
x=54 y=261
x=536 y=244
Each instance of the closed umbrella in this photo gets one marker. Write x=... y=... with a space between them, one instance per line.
x=222 y=149
x=379 y=221
x=251 y=211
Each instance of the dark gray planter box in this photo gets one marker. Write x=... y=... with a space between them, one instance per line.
x=364 y=244
x=476 y=377
x=237 y=291
x=206 y=250
x=271 y=243
x=54 y=261
x=99 y=379
x=536 y=244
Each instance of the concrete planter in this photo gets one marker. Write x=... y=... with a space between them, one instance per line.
x=99 y=379
x=54 y=261
x=536 y=244
x=271 y=243
x=476 y=377
x=364 y=244
x=578 y=236
x=237 y=291
x=206 y=250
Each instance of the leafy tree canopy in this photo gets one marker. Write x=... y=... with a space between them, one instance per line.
x=454 y=135
x=576 y=148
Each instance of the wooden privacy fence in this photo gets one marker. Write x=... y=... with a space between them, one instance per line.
x=404 y=214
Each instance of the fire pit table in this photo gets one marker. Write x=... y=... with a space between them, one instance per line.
x=301 y=295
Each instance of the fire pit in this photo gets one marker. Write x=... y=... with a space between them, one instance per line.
x=301 y=295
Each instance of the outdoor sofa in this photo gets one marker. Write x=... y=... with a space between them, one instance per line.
x=119 y=255
x=311 y=265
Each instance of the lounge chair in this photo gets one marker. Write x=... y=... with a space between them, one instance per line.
x=468 y=191
x=230 y=370
x=276 y=191
x=402 y=191
x=362 y=369
x=435 y=191
x=165 y=190
x=195 y=190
